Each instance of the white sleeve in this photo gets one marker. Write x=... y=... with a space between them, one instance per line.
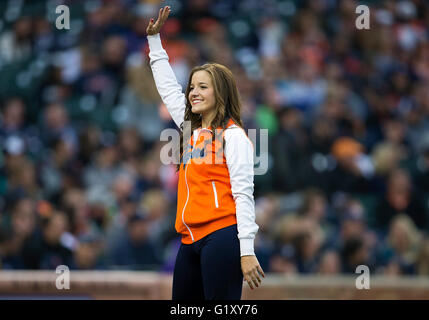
x=168 y=87
x=239 y=159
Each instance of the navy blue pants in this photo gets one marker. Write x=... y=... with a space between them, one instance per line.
x=210 y=268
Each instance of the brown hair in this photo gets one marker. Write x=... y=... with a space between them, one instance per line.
x=227 y=97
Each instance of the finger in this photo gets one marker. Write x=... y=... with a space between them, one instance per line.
x=165 y=14
x=251 y=278
x=249 y=282
x=248 y=279
x=161 y=18
x=150 y=26
x=159 y=14
x=261 y=271
x=255 y=281
x=256 y=276
x=164 y=11
x=158 y=20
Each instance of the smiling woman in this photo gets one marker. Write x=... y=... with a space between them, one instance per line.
x=215 y=204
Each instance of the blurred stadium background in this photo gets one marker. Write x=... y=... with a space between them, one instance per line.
x=82 y=185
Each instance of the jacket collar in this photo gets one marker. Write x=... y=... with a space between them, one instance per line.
x=230 y=123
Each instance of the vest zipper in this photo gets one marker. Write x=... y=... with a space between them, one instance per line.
x=187 y=187
x=183 y=212
x=215 y=194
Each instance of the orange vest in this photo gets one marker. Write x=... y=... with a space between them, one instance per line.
x=204 y=201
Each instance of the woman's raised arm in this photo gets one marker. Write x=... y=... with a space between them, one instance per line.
x=166 y=83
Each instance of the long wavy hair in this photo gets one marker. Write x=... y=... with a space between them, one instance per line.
x=227 y=97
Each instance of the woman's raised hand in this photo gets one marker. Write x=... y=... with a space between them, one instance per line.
x=153 y=28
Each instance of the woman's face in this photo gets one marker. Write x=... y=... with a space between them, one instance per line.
x=201 y=94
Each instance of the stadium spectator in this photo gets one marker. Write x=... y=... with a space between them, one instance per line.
x=354 y=253
x=48 y=247
x=16 y=44
x=401 y=198
x=423 y=258
x=134 y=250
x=403 y=246
x=88 y=254
x=330 y=264
x=23 y=222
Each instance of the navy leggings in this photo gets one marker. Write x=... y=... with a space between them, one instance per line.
x=209 y=268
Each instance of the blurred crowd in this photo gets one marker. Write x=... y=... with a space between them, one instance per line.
x=347 y=111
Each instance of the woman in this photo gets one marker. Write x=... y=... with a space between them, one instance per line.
x=215 y=205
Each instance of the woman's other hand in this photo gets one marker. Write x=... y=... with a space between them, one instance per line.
x=153 y=28
x=251 y=271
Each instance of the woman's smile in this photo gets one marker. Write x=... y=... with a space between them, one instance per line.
x=196 y=101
